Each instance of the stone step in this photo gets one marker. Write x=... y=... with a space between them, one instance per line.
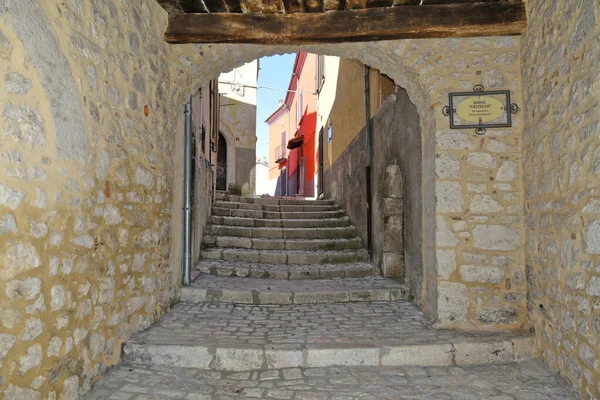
x=226 y=289
x=274 y=208
x=273 y=200
x=285 y=256
x=230 y=337
x=281 y=244
x=346 y=232
x=521 y=380
x=281 y=223
x=279 y=271
x=257 y=214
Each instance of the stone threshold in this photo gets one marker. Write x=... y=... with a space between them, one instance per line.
x=277 y=271
x=282 y=292
x=249 y=357
x=285 y=256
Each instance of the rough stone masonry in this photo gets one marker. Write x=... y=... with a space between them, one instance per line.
x=88 y=218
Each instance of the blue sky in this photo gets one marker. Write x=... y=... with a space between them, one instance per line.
x=274 y=72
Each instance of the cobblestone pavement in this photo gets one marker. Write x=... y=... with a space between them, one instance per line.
x=526 y=381
x=297 y=325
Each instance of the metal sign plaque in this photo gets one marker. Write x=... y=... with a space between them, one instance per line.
x=480 y=109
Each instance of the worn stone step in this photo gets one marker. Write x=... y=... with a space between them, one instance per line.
x=520 y=380
x=280 y=244
x=273 y=200
x=346 y=232
x=226 y=289
x=230 y=337
x=284 y=271
x=275 y=208
x=258 y=214
x=285 y=256
x=281 y=223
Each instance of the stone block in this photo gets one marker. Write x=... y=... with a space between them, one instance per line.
x=453 y=302
x=482 y=274
x=179 y=356
x=469 y=352
x=339 y=355
x=239 y=358
x=497 y=315
x=449 y=197
x=482 y=160
x=427 y=355
x=443 y=235
x=523 y=348
x=483 y=204
x=393 y=265
x=496 y=237
x=277 y=359
x=446 y=263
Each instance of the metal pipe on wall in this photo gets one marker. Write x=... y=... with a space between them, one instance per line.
x=187 y=196
x=369 y=159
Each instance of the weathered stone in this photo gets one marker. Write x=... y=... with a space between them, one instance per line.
x=6 y=343
x=10 y=198
x=449 y=197
x=8 y=224
x=102 y=164
x=496 y=237
x=97 y=345
x=455 y=141
x=446 y=263
x=443 y=235
x=41 y=199
x=508 y=172
x=33 y=359
x=592 y=237
x=86 y=241
x=37 y=229
x=593 y=287
x=71 y=388
x=483 y=204
x=24 y=125
x=481 y=274
x=112 y=215
x=483 y=160
x=54 y=347
x=144 y=177
x=17 y=83
x=107 y=291
x=28 y=288
x=453 y=302
x=33 y=328
x=494 y=315
x=17 y=393
x=447 y=166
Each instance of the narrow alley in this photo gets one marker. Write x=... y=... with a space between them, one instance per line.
x=411 y=213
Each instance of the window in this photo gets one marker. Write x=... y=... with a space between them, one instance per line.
x=330 y=132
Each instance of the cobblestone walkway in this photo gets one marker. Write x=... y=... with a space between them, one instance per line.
x=526 y=381
x=376 y=322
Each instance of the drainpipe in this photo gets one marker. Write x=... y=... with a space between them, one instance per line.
x=369 y=157
x=187 y=195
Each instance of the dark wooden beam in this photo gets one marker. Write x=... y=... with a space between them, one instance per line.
x=234 y=6
x=382 y=23
x=313 y=5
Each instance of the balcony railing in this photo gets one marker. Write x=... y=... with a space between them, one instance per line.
x=280 y=154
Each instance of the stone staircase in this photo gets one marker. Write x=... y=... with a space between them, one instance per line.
x=285 y=283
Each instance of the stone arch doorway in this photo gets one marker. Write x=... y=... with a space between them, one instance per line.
x=428 y=70
x=222 y=169
x=420 y=275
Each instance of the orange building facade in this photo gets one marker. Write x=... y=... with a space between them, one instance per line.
x=293 y=146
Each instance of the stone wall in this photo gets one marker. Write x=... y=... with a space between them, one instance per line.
x=90 y=178
x=561 y=79
x=86 y=178
x=397 y=219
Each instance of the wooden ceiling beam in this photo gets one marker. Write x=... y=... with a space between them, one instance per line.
x=381 y=23
x=193 y=6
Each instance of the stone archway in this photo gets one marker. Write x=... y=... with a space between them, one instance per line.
x=428 y=70
x=423 y=282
